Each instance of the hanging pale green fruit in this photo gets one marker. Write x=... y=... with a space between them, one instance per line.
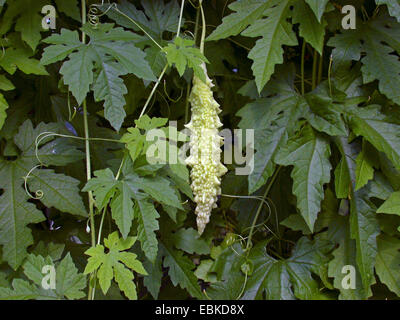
x=205 y=150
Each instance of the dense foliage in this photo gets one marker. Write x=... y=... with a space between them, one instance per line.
x=79 y=192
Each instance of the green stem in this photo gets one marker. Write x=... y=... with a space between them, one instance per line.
x=239 y=44
x=180 y=18
x=83 y=14
x=196 y=26
x=314 y=69
x=303 y=53
x=277 y=254
x=140 y=27
x=203 y=30
x=120 y=168
x=320 y=67
x=89 y=174
x=260 y=207
x=166 y=66
x=329 y=75
x=101 y=225
x=189 y=86
x=187 y=103
x=105 y=208
x=153 y=90
x=88 y=164
x=305 y=80
x=45 y=135
x=365 y=13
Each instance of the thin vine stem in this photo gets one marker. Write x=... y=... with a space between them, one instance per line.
x=314 y=69
x=189 y=86
x=166 y=66
x=259 y=208
x=196 y=26
x=180 y=19
x=320 y=67
x=303 y=53
x=92 y=283
x=330 y=74
x=139 y=26
x=120 y=168
x=101 y=225
x=105 y=208
x=204 y=27
x=187 y=103
x=47 y=134
x=153 y=90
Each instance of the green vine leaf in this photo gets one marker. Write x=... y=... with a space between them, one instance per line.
x=324 y=115
x=103 y=186
x=158 y=188
x=364 y=226
x=180 y=270
x=227 y=269
x=274 y=119
x=70 y=8
x=135 y=139
x=383 y=135
x=107 y=190
x=245 y=14
x=391 y=205
x=3 y=108
x=69 y=283
x=342 y=180
x=112 y=53
x=129 y=199
x=267 y=20
x=53 y=250
x=108 y=86
x=156 y=18
x=183 y=54
x=393 y=6
x=189 y=241
x=312 y=28
x=59 y=191
x=115 y=264
x=63 y=44
x=78 y=72
x=20 y=58
x=388 y=261
x=15 y=215
x=378 y=38
x=345 y=253
x=309 y=154
x=28 y=22
x=147 y=215
x=318 y=7
x=155 y=275
x=296 y=222
x=5 y=84
x=275 y=278
x=15 y=210
x=364 y=168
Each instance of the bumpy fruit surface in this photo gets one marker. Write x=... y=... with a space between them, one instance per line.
x=205 y=150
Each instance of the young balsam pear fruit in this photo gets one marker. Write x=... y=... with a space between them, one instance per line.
x=205 y=149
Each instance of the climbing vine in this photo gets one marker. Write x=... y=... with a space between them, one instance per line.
x=205 y=149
